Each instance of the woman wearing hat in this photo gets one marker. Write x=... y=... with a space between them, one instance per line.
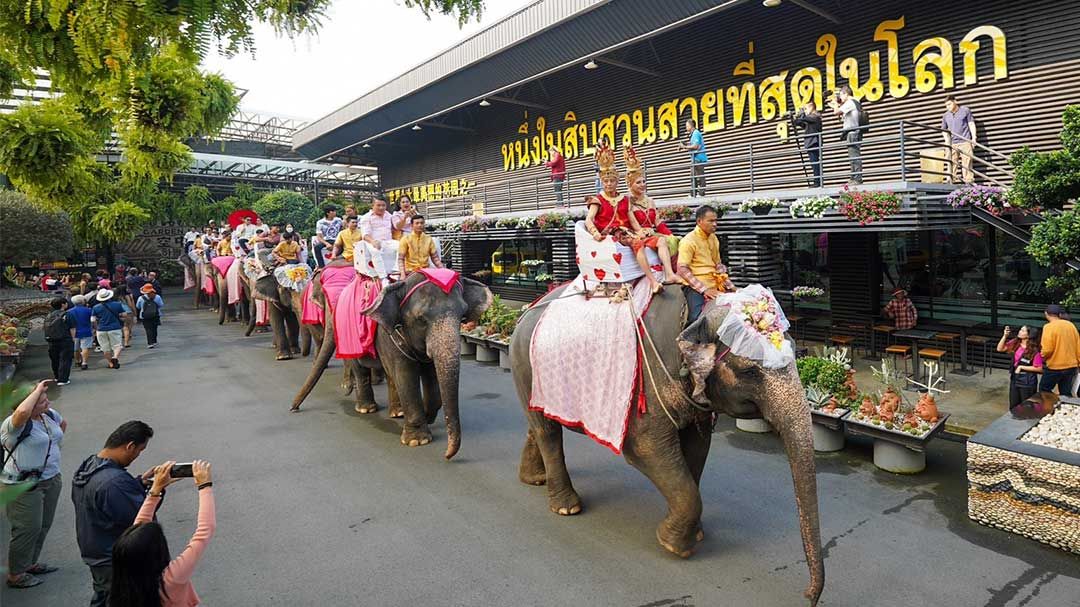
x=902 y=311
x=108 y=318
x=149 y=307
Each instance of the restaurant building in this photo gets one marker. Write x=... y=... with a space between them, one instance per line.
x=466 y=134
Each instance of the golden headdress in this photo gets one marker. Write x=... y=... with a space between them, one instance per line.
x=605 y=160
x=633 y=164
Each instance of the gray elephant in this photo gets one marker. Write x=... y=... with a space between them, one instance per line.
x=286 y=304
x=418 y=341
x=195 y=271
x=243 y=311
x=671 y=452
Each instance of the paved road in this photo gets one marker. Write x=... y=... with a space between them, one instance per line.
x=325 y=508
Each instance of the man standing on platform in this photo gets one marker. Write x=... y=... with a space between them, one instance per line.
x=960 y=132
x=557 y=164
x=849 y=110
x=902 y=311
x=1060 y=352
x=809 y=120
x=695 y=144
x=699 y=263
x=417 y=250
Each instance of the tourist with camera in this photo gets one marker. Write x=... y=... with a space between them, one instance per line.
x=31 y=438
x=142 y=571
x=809 y=120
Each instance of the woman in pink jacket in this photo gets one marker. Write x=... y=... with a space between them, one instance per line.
x=143 y=575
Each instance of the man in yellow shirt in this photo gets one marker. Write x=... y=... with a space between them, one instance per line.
x=1060 y=352
x=287 y=251
x=346 y=238
x=224 y=247
x=416 y=249
x=700 y=265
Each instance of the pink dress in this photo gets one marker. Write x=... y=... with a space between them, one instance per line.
x=176 y=579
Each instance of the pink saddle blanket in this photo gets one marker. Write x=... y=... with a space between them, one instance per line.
x=311 y=313
x=443 y=278
x=584 y=355
x=223 y=263
x=355 y=331
x=334 y=281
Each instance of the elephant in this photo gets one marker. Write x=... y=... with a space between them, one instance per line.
x=193 y=270
x=285 y=306
x=243 y=311
x=418 y=341
x=670 y=442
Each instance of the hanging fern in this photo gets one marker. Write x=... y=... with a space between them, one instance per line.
x=165 y=95
x=219 y=102
x=41 y=145
x=151 y=155
x=119 y=221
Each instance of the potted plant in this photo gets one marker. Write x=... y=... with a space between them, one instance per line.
x=868 y=206
x=804 y=292
x=991 y=199
x=758 y=206
x=811 y=206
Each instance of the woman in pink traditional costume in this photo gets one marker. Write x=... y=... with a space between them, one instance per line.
x=648 y=230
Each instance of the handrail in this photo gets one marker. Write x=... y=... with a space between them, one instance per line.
x=771 y=164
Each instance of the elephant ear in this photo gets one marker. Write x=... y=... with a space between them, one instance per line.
x=698 y=345
x=477 y=299
x=387 y=308
x=266 y=287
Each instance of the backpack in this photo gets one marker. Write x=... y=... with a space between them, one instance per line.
x=864 y=117
x=28 y=427
x=149 y=307
x=56 y=327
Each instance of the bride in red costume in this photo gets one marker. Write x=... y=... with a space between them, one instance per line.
x=609 y=211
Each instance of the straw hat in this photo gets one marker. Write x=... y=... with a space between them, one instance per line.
x=104 y=295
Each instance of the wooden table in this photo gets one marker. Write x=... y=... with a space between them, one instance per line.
x=963 y=324
x=915 y=335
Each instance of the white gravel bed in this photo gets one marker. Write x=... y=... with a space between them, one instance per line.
x=1060 y=429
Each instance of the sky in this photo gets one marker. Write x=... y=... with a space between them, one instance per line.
x=362 y=44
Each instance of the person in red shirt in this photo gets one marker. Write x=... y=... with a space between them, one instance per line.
x=557 y=164
x=902 y=311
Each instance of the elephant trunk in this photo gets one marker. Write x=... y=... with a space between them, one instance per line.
x=444 y=349
x=326 y=350
x=789 y=413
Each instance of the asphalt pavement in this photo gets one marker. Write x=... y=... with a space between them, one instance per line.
x=325 y=507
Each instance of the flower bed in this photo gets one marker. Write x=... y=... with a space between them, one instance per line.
x=991 y=199
x=802 y=292
x=868 y=206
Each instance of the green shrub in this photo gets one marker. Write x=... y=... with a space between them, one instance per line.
x=822 y=373
x=31 y=232
x=1044 y=180
x=1056 y=239
x=285 y=206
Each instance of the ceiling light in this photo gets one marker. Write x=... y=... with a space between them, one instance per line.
x=770 y=3
x=366 y=145
x=416 y=127
x=484 y=103
x=591 y=65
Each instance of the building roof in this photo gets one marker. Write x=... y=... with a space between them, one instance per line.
x=541 y=38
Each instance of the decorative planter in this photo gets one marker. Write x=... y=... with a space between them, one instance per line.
x=1023 y=487
x=468 y=348
x=895 y=450
x=828 y=430
x=761 y=210
x=486 y=353
x=756 y=426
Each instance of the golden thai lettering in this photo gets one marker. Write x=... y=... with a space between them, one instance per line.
x=773 y=96
x=926 y=80
x=712 y=111
x=668 y=117
x=645 y=134
x=743 y=100
x=767 y=98
x=969 y=46
x=886 y=32
x=806 y=87
x=431 y=192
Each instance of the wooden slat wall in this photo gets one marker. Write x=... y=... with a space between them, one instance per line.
x=1021 y=110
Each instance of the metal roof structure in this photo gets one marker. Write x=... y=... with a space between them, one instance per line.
x=508 y=54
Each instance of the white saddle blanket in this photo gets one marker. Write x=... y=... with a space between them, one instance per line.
x=608 y=261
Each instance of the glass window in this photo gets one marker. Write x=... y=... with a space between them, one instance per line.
x=521 y=262
x=905 y=264
x=1021 y=287
x=806 y=264
x=961 y=266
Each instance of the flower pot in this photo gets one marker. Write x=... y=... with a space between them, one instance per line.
x=761 y=210
x=827 y=440
x=756 y=426
x=504 y=359
x=468 y=348
x=486 y=354
x=898 y=459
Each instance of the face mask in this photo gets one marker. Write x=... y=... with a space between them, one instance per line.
x=288 y=230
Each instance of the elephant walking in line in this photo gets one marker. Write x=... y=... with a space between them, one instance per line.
x=672 y=455
x=291 y=337
x=243 y=311
x=418 y=341
x=195 y=271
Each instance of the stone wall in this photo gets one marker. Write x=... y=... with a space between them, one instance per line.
x=154 y=246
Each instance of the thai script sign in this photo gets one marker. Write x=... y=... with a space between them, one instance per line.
x=770 y=97
x=431 y=192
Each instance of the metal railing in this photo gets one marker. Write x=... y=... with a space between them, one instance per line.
x=900 y=150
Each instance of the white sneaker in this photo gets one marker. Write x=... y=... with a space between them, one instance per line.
x=62 y=383
x=152 y=346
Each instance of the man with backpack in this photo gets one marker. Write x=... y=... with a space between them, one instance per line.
x=80 y=314
x=60 y=333
x=850 y=111
x=108 y=318
x=149 y=307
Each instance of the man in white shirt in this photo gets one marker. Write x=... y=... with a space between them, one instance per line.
x=849 y=110
x=377 y=229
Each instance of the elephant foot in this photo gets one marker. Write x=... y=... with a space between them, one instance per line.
x=367 y=408
x=284 y=357
x=532 y=478
x=678 y=543
x=565 y=505
x=415 y=438
x=400 y=414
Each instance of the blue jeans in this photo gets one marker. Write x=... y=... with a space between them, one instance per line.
x=695 y=302
x=1062 y=379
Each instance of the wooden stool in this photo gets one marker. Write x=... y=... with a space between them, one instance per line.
x=934 y=354
x=899 y=350
x=983 y=343
x=887 y=330
x=952 y=342
x=843 y=341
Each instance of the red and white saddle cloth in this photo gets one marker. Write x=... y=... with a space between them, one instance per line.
x=585 y=362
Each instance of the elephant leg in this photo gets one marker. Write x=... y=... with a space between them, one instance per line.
x=391 y=390
x=406 y=379
x=292 y=331
x=281 y=340
x=348 y=378
x=249 y=307
x=531 y=471
x=562 y=499
x=696 y=440
x=432 y=398
x=661 y=460
x=361 y=380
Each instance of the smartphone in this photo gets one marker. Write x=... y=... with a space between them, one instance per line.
x=181 y=471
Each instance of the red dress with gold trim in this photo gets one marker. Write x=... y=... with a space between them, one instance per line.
x=612 y=215
x=647 y=219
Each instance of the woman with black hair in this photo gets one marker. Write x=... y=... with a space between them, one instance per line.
x=143 y=574
x=1027 y=362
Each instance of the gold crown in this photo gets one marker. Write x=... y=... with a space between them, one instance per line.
x=630 y=157
x=605 y=160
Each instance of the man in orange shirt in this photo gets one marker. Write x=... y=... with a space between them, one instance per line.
x=1060 y=351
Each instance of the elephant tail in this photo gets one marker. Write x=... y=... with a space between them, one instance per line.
x=326 y=350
